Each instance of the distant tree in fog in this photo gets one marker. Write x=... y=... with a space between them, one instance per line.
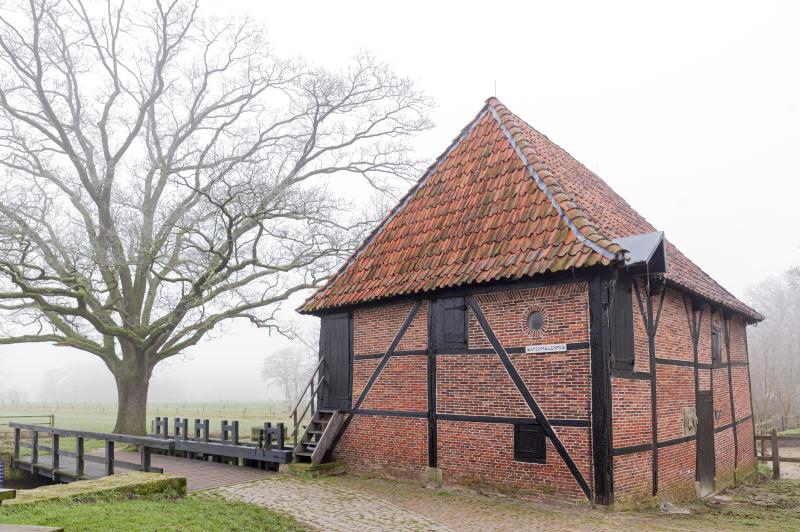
x=8 y=392
x=163 y=172
x=774 y=346
x=290 y=369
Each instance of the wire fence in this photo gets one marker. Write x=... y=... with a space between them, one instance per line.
x=43 y=419
x=779 y=423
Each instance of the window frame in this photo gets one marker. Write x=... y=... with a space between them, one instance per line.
x=533 y=430
x=618 y=302
x=438 y=323
x=716 y=346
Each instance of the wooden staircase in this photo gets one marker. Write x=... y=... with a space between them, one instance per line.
x=318 y=436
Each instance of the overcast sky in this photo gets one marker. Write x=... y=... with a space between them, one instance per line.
x=690 y=111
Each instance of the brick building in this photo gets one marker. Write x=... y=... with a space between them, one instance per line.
x=514 y=322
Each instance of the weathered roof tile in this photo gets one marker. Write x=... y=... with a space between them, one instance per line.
x=503 y=202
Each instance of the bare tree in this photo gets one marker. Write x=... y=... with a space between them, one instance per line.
x=164 y=172
x=288 y=368
x=775 y=347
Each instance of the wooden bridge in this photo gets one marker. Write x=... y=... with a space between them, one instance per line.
x=190 y=451
x=206 y=463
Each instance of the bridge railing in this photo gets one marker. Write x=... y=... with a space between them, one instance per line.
x=56 y=453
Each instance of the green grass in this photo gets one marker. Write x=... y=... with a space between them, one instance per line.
x=100 y=417
x=145 y=514
x=765 y=505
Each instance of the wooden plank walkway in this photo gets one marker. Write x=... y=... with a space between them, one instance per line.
x=200 y=475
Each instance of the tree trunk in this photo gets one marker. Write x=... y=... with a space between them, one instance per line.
x=132 y=404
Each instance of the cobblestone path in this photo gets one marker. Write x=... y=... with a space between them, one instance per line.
x=367 y=504
x=321 y=505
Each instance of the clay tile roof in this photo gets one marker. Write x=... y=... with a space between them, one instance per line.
x=503 y=202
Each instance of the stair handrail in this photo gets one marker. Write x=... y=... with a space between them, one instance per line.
x=296 y=420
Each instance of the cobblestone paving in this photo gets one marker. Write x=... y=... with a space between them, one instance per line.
x=357 y=503
x=326 y=506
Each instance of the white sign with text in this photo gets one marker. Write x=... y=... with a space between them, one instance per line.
x=546 y=348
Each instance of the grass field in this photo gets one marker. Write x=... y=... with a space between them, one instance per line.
x=148 y=513
x=100 y=417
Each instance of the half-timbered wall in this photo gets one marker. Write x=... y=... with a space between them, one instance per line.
x=678 y=377
x=456 y=410
x=476 y=400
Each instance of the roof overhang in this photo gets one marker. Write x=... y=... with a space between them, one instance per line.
x=644 y=253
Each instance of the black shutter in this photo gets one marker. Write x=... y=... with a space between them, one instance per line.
x=716 y=346
x=449 y=323
x=529 y=443
x=619 y=312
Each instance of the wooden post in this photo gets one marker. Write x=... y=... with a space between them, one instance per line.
x=294 y=428
x=144 y=454
x=55 y=455
x=34 y=451
x=79 y=462
x=17 y=436
x=776 y=459
x=763 y=439
x=109 y=458
x=312 y=396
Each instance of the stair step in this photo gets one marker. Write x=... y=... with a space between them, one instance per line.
x=319 y=432
x=304 y=453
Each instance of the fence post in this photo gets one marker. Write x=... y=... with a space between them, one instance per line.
x=144 y=451
x=34 y=452
x=17 y=436
x=776 y=460
x=79 y=461
x=56 y=464
x=763 y=438
x=109 y=458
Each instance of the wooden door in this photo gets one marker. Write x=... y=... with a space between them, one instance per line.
x=705 y=442
x=335 y=344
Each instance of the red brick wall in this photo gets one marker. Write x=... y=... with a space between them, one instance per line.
x=375 y=327
x=676 y=465
x=402 y=385
x=675 y=390
x=633 y=475
x=476 y=384
x=380 y=444
x=472 y=452
x=630 y=415
x=479 y=385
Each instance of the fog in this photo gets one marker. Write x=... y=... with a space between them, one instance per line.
x=690 y=112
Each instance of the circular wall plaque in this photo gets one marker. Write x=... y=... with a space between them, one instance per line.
x=535 y=322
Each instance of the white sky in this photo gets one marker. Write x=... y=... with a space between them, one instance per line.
x=689 y=110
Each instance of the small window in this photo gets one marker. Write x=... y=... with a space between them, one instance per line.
x=536 y=321
x=449 y=323
x=716 y=346
x=618 y=309
x=529 y=443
